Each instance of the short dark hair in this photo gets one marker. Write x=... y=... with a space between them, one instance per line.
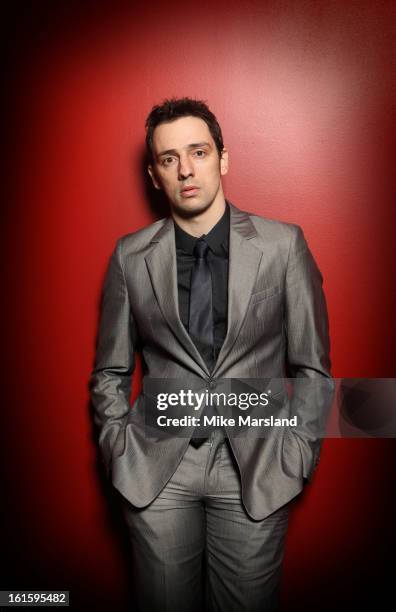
x=174 y=108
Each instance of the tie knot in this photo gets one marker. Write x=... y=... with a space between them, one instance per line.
x=201 y=248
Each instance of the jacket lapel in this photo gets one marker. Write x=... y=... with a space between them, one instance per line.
x=162 y=267
x=244 y=262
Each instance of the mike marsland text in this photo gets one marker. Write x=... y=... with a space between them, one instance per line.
x=221 y=421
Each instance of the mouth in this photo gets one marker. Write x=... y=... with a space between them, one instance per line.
x=189 y=191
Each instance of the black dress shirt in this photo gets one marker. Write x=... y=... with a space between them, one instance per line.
x=217 y=257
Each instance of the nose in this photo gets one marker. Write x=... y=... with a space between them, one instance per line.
x=185 y=167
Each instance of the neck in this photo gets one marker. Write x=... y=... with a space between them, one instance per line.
x=203 y=222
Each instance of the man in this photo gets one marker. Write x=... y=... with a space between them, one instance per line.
x=209 y=293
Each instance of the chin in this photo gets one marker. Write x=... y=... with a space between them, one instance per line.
x=191 y=209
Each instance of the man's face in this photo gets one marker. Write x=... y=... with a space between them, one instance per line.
x=187 y=166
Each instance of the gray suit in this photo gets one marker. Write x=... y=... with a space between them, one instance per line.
x=276 y=316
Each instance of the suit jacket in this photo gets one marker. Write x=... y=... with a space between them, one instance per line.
x=277 y=322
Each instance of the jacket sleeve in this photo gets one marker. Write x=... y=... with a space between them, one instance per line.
x=110 y=381
x=308 y=350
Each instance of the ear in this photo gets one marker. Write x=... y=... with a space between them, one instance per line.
x=151 y=172
x=224 y=162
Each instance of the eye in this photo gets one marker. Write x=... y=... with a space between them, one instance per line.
x=200 y=153
x=167 y=161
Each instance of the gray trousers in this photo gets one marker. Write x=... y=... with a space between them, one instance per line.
x=195 y=548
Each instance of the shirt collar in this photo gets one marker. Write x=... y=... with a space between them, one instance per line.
x=217 y=238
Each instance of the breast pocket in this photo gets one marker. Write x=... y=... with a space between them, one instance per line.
x=266 y=312
x=265 y=294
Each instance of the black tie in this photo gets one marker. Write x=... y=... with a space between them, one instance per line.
x=200 y=324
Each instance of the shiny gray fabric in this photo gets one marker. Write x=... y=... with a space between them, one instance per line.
x=199 y=515
x=276 y=316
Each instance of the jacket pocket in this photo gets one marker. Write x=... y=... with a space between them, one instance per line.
x=264 y=294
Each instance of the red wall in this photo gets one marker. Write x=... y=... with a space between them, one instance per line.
x=304 y=92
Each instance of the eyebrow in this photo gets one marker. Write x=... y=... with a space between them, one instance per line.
x=193 y=145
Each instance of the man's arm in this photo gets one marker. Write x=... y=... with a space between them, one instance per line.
x=308 y=349
x=110 y=382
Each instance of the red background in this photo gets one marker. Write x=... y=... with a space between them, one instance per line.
x=304 y=92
